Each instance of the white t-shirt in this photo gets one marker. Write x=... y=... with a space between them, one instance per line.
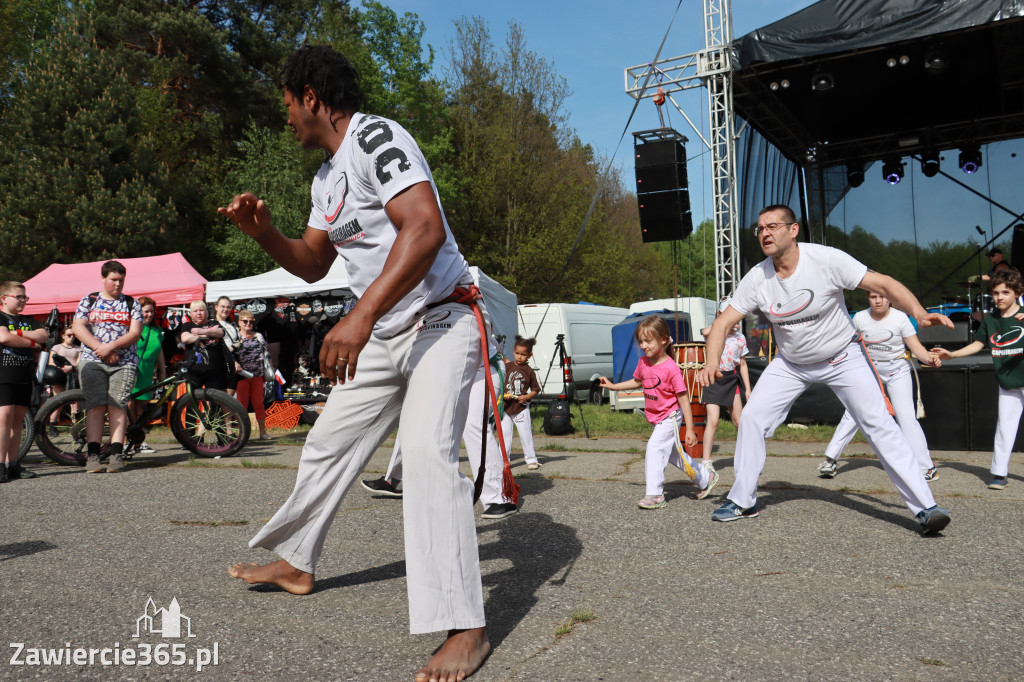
x=884 y=338
x=377 y=160
x=806 y=309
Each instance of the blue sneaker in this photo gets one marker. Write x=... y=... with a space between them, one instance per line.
x=933 y=519
x=998 y=483
x=730 y=511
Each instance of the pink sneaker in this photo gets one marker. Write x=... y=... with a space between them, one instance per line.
x=652 y=502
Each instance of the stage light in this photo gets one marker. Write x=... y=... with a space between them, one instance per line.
x=904 y=60
x=930 y=163
x=855 y=173
x=970 y=158
x=891 y=62
x=935 y=63
x=892 y=170
x=822 y=82
x=785 y=83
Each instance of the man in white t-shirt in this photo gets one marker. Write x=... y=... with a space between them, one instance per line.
x=375 y=204
x=888 y=333
x=799 y=287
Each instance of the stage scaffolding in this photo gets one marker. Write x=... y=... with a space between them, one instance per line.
x=711 y=68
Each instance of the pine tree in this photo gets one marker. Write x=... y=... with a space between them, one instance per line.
x=78 y=176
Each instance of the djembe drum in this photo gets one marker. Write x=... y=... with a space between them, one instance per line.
x=691 y=359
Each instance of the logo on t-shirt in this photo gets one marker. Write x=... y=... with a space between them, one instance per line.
x=336 y=198
x=878 y=339
x=791 y=304
x=119 y=316
x=1007 y=338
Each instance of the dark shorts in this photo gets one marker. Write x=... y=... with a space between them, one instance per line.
x=723 y=391
x=209 y=378
x=15 y=394
x=105 y=384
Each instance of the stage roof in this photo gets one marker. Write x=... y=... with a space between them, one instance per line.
x=973 y=91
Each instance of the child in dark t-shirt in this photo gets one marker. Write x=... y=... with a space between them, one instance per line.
x=520 y=387
x=20 y=337
x=1003 y=332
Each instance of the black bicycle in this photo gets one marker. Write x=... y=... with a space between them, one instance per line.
x=208 y=422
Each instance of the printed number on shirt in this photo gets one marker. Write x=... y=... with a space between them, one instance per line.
x=370 y=138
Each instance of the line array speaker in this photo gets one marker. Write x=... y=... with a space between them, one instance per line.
x=663 y=198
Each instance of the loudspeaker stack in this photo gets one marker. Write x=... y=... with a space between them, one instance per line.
x=662 y=195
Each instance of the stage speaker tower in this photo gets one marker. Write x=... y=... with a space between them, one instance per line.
x=662 y=195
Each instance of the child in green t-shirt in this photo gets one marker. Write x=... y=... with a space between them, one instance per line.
x=1003 y=332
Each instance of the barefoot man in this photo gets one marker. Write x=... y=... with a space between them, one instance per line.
x=375 y=204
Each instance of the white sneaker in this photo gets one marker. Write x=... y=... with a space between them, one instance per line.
x=827 y=469
x=145 y=448
x=533 y=465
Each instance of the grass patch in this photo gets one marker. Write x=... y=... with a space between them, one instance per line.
x=193 y=461
x=605 y=423
x=247 y=463
x=209 y=523
x=578 y=616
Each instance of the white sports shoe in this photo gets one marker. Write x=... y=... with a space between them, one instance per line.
x=827 y=469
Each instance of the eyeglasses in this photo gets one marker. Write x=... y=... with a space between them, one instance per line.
x=245 y=322
x=21 y=298
x=771 y=227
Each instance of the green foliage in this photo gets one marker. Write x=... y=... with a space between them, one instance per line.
x=78 y=180
x=275 y=168
x=526 y=182
x=25 y=25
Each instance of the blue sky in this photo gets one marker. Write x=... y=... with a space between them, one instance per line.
x=592 y=43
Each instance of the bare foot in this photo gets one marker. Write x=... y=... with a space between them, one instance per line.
x=460 y=656
x=280 y=573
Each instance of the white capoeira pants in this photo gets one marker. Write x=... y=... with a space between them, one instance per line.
x=421 y=375
x=663 y=449
x=524 y=428
x=851 y=379
x=1011 y=406
x=898 y=378
x=491 y=492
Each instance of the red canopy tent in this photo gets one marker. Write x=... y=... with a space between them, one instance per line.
x=167 y=279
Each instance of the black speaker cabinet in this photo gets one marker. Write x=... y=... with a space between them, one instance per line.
x=660 y=153
x=665 y=216
x=661 y=178
x=962 y=406
x=1017 y=255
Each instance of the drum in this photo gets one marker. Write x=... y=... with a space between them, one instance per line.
x=690 y=358
x=700 y=421
x=985 y=303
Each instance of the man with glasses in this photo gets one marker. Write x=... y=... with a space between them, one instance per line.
x=799 y=288
x=108 y=323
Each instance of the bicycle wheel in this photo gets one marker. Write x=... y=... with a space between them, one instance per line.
x=214 y=425
x=28 y=434
x=63 y=440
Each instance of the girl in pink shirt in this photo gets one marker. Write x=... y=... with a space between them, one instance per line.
x=664 y=400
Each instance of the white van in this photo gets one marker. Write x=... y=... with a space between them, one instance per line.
x=588 y=341
x=702 y=311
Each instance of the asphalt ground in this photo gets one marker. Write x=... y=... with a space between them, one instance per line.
x=832 y=581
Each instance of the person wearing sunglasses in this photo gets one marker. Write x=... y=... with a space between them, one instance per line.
x=20 y=338
x=68 y=349
x=800 y=289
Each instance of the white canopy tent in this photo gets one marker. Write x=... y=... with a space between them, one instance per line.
x=501 y=303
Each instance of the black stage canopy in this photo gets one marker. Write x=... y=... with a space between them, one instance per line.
x=893 y=77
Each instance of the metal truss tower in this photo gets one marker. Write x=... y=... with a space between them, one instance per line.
x=710 y=68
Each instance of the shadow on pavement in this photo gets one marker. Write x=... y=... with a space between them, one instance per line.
x=16 y=550
x=541 y=550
